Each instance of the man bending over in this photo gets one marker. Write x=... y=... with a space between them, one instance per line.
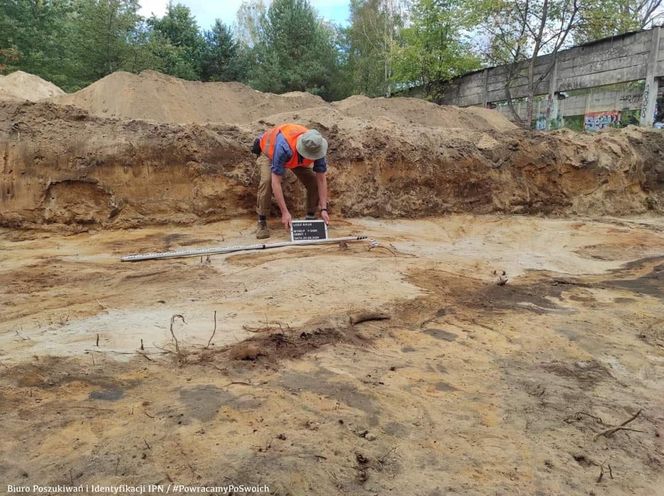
x=300 y=150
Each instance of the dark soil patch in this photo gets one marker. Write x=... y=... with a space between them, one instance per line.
x=651 y=284
x=111 y=394
x=54 y=372
x=535 y=295
x=443 y=386
x=203 y=402
x=441 y=334
x=272 y=345
x=531 y=293
x=325 y=383
x=587 y=374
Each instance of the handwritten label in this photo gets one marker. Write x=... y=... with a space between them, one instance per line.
x=308 y=230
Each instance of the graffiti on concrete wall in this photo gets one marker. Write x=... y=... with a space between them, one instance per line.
x=633 y=99
x=540 y=122
x=644 y=104
x=594 y=121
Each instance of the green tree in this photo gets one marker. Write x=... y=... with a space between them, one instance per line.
x=602 y=18
x=432 y=48
x=143 y=50
x=7 y=56
x=75 y=42
x=220 y=56
x=295 y=52
x=250 y=21
x=178 y=42
x=372 y=36
x=100 y=40
x=518 y=32
x=341 y=83
x=31 y=37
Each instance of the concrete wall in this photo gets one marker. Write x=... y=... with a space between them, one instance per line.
x=580 y=102
x=621 y=59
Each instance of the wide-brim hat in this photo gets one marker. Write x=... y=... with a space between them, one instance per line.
x=312 y=145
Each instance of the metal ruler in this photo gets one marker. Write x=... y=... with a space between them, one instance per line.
x=197 y=252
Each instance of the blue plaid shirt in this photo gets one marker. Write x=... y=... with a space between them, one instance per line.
x=283 y=153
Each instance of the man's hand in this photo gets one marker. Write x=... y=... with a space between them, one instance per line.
x=325 y=216
x=286 y=219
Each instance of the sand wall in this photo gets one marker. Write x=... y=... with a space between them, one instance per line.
x=60 y=165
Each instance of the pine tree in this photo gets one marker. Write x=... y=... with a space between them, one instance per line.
x=295 y=51
x=220 y=57
x=178 y=42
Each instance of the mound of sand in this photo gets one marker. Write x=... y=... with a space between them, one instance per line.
x=20 y=85
x=156 y=97
x=413 y=111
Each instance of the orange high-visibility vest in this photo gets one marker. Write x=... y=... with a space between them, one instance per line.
x=291 y=132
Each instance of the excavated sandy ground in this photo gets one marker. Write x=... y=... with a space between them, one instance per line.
x=470 y=388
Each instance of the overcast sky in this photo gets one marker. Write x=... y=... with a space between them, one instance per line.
x=206 y=11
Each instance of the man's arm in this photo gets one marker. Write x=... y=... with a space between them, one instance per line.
x=321 y=181
x=282 y=154
x=320 y=168
x=279 y=195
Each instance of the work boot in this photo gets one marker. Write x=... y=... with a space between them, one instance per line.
x=262 y=231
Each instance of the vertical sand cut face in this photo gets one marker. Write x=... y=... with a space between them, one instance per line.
x=471 y=386
x=401 y=160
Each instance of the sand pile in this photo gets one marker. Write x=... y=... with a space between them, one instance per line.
x=20 y=85
x=156 y=97
x=413 y=111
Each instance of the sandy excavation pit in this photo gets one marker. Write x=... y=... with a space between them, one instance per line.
x=469 y=388
x=478 y=383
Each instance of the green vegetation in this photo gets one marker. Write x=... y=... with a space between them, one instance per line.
x=433 y=48
x=294 y=50
x=602 y=18
x=388 y=46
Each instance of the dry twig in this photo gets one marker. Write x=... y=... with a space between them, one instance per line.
x=621 y=427
x=376 y=247
x=269 y=326
x=144 y=355
x=214 y=331
x=579 y=415
x=601 y=472
x=177 y=344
